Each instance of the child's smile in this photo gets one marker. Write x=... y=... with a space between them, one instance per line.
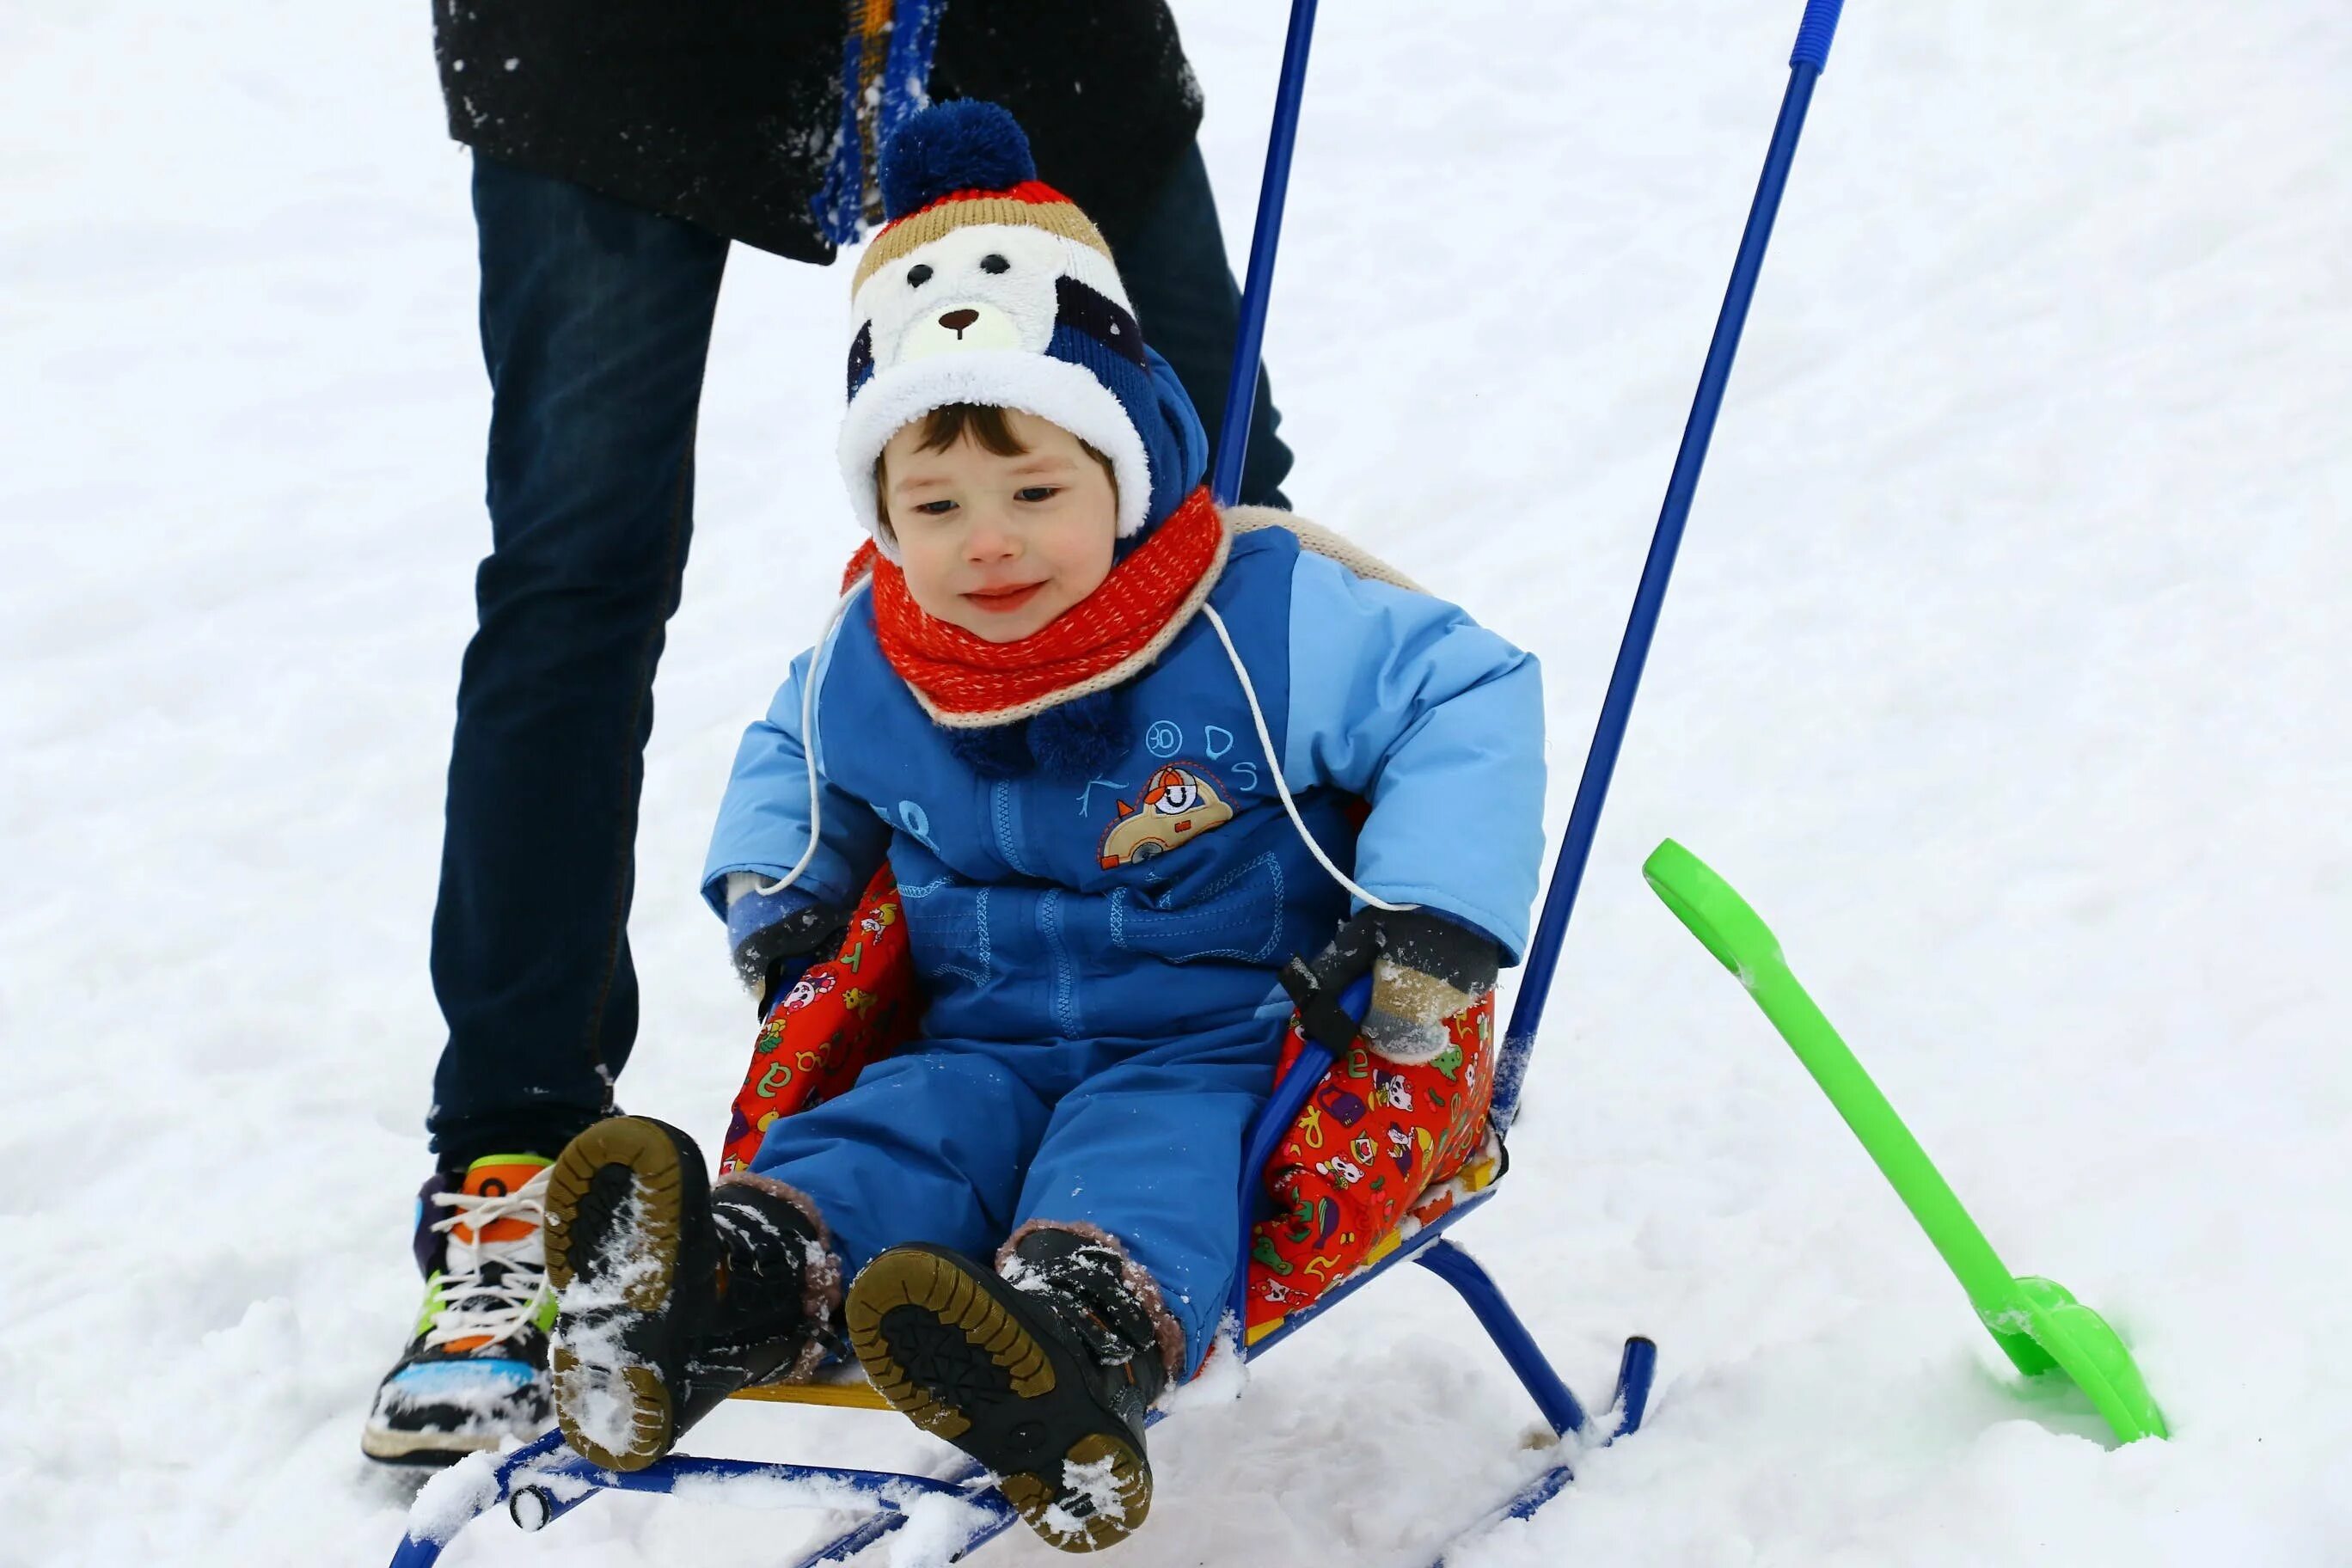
x=1003 y=601
x=1000 y=543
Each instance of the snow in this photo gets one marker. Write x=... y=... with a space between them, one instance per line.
x=2002 y=672
x=595 y=1391
x=449 y=1500
x=484 y=1402
x=1095 y=1482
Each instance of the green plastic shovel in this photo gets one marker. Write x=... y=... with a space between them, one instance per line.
x=2037 y=1323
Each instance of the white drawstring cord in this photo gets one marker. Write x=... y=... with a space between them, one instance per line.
x=808 y=747
x=1281 y=784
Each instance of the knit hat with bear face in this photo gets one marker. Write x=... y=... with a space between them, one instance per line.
x=989 y=286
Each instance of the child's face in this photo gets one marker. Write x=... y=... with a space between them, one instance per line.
x=1000 y=546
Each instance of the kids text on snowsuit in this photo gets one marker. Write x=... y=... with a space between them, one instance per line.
x=1107 y=837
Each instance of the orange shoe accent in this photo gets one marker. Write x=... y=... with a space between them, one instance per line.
x=494 y=1175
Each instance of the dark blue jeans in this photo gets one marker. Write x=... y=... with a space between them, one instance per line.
x=595 y=320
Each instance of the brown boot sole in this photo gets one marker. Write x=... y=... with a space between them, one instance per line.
x=610 y=1400
x=984 y=1381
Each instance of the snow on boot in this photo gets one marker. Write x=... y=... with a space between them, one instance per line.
x=476 y=1369
x=669 y=1298
x=1043 y=1374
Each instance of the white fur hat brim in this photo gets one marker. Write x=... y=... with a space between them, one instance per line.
x=1051 y=389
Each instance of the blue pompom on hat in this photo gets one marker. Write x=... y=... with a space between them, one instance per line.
x=965 y=145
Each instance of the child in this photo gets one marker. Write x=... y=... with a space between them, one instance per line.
x=1112 y=740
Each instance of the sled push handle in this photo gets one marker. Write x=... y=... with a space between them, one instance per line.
x=1807 y=59
x=1249 y=336
x=1806 y=62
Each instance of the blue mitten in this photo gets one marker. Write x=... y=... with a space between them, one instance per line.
x=776 y=934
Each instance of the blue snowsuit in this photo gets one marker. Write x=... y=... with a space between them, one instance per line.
x=1097 y=957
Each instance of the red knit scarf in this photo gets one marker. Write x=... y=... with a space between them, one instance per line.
x=965 y=681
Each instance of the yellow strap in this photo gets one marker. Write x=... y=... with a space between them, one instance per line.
x=857 y=1395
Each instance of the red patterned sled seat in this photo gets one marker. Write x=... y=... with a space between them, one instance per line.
x=1379 y=1151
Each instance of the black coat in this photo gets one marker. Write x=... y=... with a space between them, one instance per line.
x=720 y=111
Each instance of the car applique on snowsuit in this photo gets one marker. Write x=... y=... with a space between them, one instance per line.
x=1176 y=806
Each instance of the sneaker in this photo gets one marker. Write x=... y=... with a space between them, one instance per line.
x=670 y=1297
x=1045 y=1377
x=476 y=1371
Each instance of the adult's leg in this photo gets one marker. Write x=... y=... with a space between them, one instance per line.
x=595 y=320
x=1185 y=299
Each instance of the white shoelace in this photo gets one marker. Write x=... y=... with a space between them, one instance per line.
x=473 y=1306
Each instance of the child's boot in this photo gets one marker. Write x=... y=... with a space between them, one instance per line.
x=1044 y=1374
x=669 y=1296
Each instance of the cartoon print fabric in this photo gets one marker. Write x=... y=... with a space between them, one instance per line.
x=1377 y=1144
x=845 y=1012
x=1372 y=1140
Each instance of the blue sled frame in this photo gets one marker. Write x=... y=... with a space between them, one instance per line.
x=543 y=1481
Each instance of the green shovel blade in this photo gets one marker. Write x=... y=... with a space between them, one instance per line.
x=2036 y=1322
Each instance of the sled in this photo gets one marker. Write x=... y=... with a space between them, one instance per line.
x=540 y=1481
x=1309 y=1237
x=543 y=1481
